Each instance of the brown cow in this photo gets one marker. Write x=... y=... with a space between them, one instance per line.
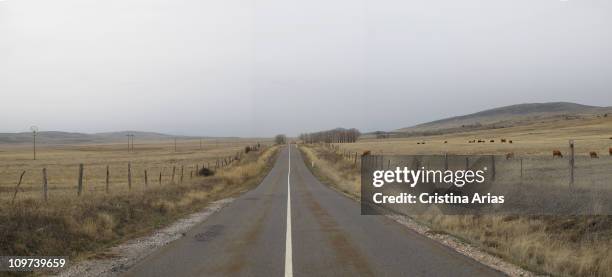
x=557 y=153
x=503 y=140
x=594 y=155
x=418 y=143
x=492 y=140
x=445 y=141
x=366 y=153
x=509 y=155
x=510 y=141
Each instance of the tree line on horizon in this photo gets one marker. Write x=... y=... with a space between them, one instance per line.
x=338 y=135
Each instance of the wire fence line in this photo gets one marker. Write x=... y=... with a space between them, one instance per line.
x=569 y=169
x=106 y=178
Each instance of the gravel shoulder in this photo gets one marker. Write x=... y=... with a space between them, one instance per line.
x=120 y=258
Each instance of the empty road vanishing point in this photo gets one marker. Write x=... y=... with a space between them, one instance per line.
x=293 y=225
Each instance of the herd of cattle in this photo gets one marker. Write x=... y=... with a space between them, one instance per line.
x=510 y=155
x=491 y=141
x=592 y=154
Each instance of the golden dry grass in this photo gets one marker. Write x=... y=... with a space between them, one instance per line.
x=538 y=139
x=62 y=162
x=81 y=226
x=557 y=245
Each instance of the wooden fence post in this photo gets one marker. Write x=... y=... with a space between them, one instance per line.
x=146 y=179
x=45 y=184
x=107 y=179
x=160 y=176
x=80 y=184
x=130 y=176
x=445 y=161
x=173 y=172
x=571 y=164
x=521 y=170
x=17 y=187
x=182 y=171
x=492 y=167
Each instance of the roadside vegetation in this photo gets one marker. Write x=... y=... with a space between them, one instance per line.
x=557 y=245
x=80 y=227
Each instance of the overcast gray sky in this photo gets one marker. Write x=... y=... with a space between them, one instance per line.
x=257 y=68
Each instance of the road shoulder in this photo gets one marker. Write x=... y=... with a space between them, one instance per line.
x=445 y=239
x=120 y=258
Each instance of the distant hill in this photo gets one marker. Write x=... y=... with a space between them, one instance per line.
x=56 y=137
x=507 y=116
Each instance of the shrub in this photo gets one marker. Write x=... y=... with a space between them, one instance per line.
x=206 y=172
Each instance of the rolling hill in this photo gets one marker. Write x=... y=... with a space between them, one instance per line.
x=507 y=116
x=57 y=137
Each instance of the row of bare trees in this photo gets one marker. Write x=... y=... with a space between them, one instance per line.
x=338 y=135
x=280 y=139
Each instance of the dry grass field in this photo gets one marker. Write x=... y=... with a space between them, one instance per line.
x=538 y=139
x=62 y=163
x=81 y=227
x=557 y=245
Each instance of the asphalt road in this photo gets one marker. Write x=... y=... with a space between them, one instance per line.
x=325 y=235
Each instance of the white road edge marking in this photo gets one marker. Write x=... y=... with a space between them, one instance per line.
x=288 y=250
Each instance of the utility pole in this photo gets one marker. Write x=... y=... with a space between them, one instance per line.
x=130 y=142
x=34 y=130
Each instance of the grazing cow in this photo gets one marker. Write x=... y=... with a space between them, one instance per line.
x=481 y=141
x=557 y=153
x=471 y=141
x=510 y=141
x=366 y=153
x=418 y=142
x=509 y=155
x=422 y=142
x=445 y=141
x=503 y=140
x=492 y=140
x=594 y=155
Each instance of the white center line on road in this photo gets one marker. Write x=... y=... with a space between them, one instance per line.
x=288 y=250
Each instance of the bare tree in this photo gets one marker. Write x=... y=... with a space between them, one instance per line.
x=339 y=135
x=280 y=139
